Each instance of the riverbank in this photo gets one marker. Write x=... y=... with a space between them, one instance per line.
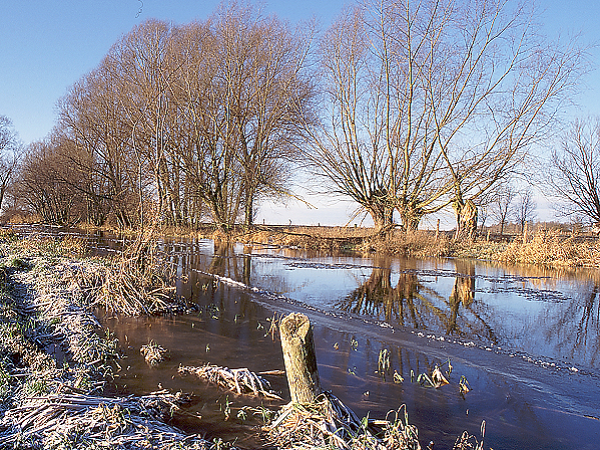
x=547 y=248
x=57 y=364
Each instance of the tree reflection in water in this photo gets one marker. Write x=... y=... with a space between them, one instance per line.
x=410 y=302
x=543 y=312
x=576 y=329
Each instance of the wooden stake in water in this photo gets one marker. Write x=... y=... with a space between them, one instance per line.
x=299 y=358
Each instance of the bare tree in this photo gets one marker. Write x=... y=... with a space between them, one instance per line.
x=244 y=92
x=575 y=171
x=502 y=204
x=524 y=208
x=93 y=122
x=10 y=151
x=434 y=102
x=143 y=64
x=41 y=187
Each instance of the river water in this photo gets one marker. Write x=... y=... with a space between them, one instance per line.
x=526 y=339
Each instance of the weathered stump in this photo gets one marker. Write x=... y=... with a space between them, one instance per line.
x=299 y=358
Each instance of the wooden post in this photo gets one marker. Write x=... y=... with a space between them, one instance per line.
x=299 y=358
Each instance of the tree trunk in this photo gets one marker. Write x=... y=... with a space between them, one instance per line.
x=383 y=217
x=411 y=217
x=249 y=209
x=299 y=357
x=466 y=218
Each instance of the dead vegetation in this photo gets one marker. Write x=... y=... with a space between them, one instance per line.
x=310 y=238
x=548 y=247
x=69 y=420
x=360 y=239
x=48 y=406
x=240 y=381
x=329 y=424
x=154 y=354
x=141 y=281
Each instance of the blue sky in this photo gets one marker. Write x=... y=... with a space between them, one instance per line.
x=47 y=45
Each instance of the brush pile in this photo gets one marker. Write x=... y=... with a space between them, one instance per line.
x=240 y=381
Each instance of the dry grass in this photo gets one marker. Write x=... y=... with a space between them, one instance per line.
x=549 y=248
x=139 y=281
x=309 y=238
x=329 y=424
x=71 y=420
x=419 y=244
x=154 y=354
x=397 y=242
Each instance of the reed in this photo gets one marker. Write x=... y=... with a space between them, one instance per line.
x=550 y=248
x=139 y=281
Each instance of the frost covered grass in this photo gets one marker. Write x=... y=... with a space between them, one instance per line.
x=49 y=405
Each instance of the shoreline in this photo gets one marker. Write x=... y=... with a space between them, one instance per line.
x=57 y=366
x=548 y=248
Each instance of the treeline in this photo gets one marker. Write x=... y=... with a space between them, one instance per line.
x=199 y=121
x=403 y=108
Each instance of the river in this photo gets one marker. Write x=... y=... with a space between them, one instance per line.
x=526 y=339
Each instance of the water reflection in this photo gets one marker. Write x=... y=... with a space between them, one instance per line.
x=576 y=328
x=420 y=304
x=401 y=303
x=528 y=310
x=549 y=315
